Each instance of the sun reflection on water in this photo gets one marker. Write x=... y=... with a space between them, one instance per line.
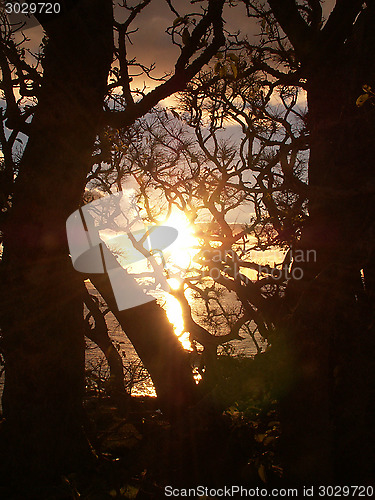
x=179 y=259
x=174 y=314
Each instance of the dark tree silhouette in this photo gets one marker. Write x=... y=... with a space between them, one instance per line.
x=42 y=323
x=329 y=335
x=324 y=343
x=324 y=348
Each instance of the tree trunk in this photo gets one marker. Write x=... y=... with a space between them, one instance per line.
x=99 y=334
x=329 y=334
x=42 y=319
x=152 y=336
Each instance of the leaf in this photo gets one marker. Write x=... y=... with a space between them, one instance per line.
x=273 y=423
x=262 y=473
x=217 y=67
x=129 y=491
x=185 y=36
x=362 y=99
x=234 y=69
x=178 y=20
x=268 y=440
x=233 y=57
x=222 y=72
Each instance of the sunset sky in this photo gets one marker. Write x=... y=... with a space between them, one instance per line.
x=151 y=44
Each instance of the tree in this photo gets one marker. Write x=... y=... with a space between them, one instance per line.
x=185 y=157
x=42 y=323
x=334 y=59
x=327 y=312
x=324 y=342
x=324 y=345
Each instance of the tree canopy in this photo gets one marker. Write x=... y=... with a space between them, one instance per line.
x=263 y=137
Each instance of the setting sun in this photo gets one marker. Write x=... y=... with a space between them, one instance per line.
x=181 y=252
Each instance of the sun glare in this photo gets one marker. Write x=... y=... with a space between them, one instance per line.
x=183 y=249
x=174 y=283
x=179 y=259
x=174 y=314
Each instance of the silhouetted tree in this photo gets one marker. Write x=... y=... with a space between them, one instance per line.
x=328 y=326
x=324 y=343
x=324 y=322
x=61 y=101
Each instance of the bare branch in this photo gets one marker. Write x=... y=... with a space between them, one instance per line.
x=294 y=26
x=340 y=23
x=184 y=71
